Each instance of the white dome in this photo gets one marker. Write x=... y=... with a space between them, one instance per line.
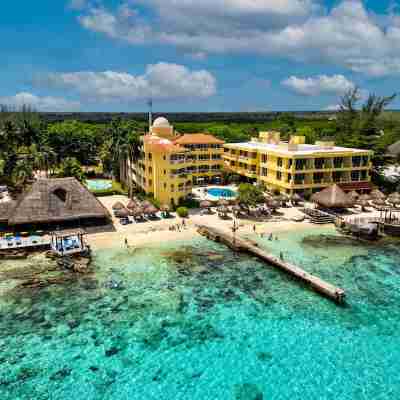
x=161 y=122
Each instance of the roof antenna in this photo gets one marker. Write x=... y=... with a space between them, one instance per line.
x=150 y=104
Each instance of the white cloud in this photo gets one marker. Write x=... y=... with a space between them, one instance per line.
x=322 y=84
x=161 y=81
x=347 y=35
x=38 y=103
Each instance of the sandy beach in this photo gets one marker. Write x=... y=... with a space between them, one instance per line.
x=154 y=232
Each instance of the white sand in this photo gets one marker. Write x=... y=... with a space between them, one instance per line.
x=154 y=232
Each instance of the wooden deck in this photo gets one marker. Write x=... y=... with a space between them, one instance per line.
x=239 y=244
x=25 y=243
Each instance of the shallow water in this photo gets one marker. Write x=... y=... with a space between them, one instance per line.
x=194 y=321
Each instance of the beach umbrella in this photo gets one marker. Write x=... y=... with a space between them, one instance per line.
x=296 y=197
x=354 y=195
x=122 y=213
x=205 y=204
x=151 y=209
x=132 y=204
x=379 y=202
x=146 y=204
x=376 y=194
x=223 y=202
x=118 y=206
x=364 y=197
x=136 y=212
x=394 y=198
x=363 y=203
x=332 y=197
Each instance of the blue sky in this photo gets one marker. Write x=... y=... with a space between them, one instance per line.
x=192 y=55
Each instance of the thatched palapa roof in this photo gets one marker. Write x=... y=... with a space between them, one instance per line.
x=56 y=200
x=332 y=197
x=6 y=208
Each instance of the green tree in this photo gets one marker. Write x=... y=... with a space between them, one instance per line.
x=250 y=195
x=71 y=167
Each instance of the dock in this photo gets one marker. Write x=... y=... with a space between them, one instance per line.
x=247 y=246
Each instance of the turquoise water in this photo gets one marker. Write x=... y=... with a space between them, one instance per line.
x=219 y=192
x=194 y=321
x=98 y=184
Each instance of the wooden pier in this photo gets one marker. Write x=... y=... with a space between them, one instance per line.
x=239 y=244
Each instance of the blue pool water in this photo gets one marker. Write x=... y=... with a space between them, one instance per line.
x=195 y=321
x=98 y=184
x=222 y=192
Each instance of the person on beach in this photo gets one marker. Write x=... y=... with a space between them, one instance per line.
x=254 y=228
x=126 y=243
x=270 y=236
x=281 y=255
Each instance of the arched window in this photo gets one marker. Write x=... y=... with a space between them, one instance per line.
x=61 y=194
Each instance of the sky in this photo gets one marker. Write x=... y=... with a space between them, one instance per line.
x=196 y=55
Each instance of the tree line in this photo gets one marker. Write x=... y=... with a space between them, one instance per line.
x=29 y=143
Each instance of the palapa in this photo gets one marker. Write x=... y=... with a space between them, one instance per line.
x=146 y=204
x=223 y=202
x=379 y=202
x=296 y=197
x=332 y=197
x=56 y=200
x=353 y=195
x=364 y=198
x=122 y=213
x=377 y=194
x=205 y=204
x=394 y=198
x=118 y=206
x=136 y=212
x=132 y=204
x=151 y=209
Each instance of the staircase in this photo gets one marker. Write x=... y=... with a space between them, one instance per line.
x=318 y=217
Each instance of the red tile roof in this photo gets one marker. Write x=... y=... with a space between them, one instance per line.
x=198 y=138
x=161 y=144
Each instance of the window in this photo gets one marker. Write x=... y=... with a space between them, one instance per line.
x=150 y=156
x=61 y=194
x=150 y=170
x=338 y=162
x=355 y=175
x=337 y=176
x=299 y=179
x=319 y=163
x=279 y=175
x=150 y=182
x=318 y=177
x=365 y=160
x=356 y=161
x=280 y=162
x=300 y=164
x=264 y=158
x=364 y=175
x=264 y=171
x=165 y=185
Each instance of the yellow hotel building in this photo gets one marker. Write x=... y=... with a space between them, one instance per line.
x=295 y=167
x=170 y=164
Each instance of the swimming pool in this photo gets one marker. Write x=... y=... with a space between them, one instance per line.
x=98 y=184
x=222 y=192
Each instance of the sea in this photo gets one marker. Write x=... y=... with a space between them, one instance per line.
x=191 y=320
